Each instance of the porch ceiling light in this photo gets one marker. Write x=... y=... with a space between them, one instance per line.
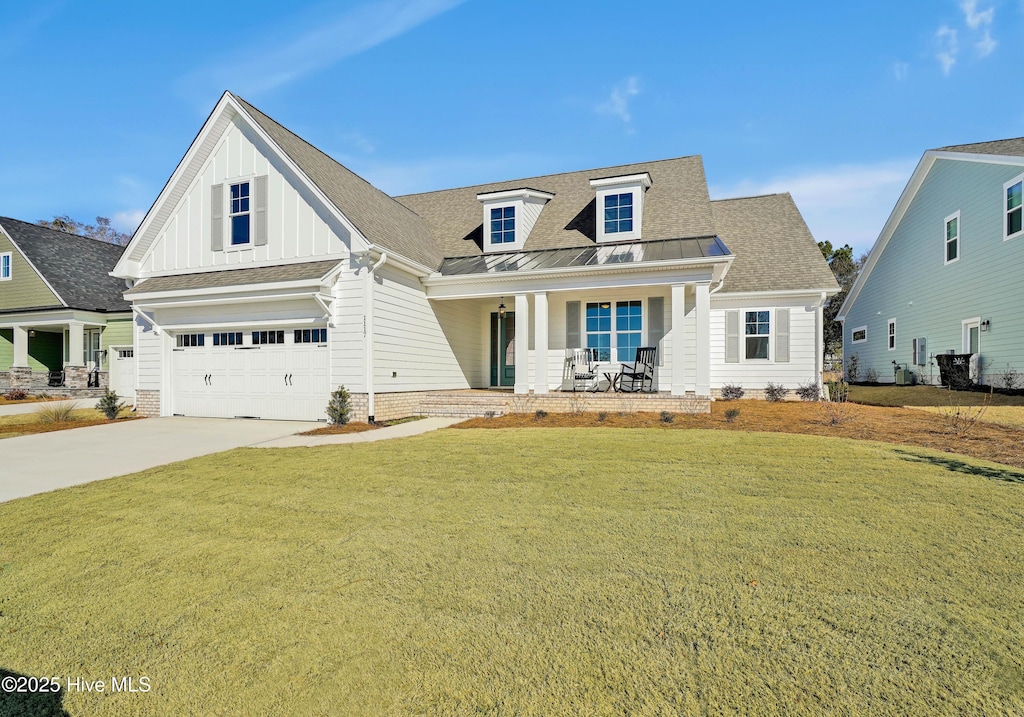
x=31 y=333
x=502 y=308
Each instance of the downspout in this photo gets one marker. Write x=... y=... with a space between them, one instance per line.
x=819 y=341
x=368 y=334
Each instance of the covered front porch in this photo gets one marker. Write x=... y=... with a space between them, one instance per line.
x=36 y=348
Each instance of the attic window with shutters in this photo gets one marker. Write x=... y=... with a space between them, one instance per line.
x=509 y=217
x=238 y=214
x=620 y=206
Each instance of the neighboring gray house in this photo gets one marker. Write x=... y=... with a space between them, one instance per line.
x=944 y=275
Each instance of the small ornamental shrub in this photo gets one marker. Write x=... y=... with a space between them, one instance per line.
x=809 y=391
x=63 y=412
x=853 y=368
x=732 y=414
x=667 y=417
x=339 y=408
x=838 y=390
x=539 y=414
x=110 y=405
x=731 y=392
x=16 y=394
x=775 y=392
x=871 y=376
x=1009 y=378
x=601 y=416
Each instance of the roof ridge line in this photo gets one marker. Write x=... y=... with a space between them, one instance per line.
x=59 y=231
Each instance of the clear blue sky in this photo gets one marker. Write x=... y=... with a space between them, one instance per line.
x=834 y=102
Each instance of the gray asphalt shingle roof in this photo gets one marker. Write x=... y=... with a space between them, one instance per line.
x=377 y=216
x=774 y=248
x=1003 y=147
x=236 y=277
x=675 y=207
x=75 y=266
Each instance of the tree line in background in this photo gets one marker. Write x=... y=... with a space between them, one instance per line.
x=101 y=230
x=845 y=269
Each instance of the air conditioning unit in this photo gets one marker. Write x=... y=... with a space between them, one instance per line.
x=904 y=377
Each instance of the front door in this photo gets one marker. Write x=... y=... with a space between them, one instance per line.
x=503 y=349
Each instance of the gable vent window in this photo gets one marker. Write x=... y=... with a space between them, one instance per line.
x=240 y=214
x=1014 y=207
x=503 y=225
x=267 y=337
x=5 y=266
x=618 y=213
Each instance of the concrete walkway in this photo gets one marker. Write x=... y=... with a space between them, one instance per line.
x=411 y=428
x=47 y=461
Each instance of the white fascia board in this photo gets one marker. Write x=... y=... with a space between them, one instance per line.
x=250 y=291
x=898 y=212
x=776 y=293
x=643 y=179
x=525 y=193
x=415 y=268
x=975 y=157
x=50 y=318
x=33 y=266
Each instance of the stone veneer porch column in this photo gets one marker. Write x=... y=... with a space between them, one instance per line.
x=75 y=373
x=540 y=342
x=522 y=384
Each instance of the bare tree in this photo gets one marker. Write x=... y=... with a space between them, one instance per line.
x=101 y=230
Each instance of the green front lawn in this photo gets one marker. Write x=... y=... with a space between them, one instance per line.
x=530 y=572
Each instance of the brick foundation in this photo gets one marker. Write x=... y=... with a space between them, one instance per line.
x=147 y=403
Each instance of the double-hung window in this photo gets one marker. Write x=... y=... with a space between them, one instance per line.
x=618 y=213
x=503 y=225
x=892 y=334
x=239 y=214
x=1014 y=207
x=5 y=266
x=757 y=329
x=952 y=238
x=620 y=340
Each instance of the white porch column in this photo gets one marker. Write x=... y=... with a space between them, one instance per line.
x=76 y=343
x=522 y=384
x=20 y=347
x=678 y=342
x=702 y=309
x=540 y=342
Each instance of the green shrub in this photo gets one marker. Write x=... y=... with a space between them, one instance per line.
x=539 y=414
x=339 y=408
x=732 y=414
x=110 y=405
x=62 y=412
x=853 y=368
x=809 y=391
x=667 y=417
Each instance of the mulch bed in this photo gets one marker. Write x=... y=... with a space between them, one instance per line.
x=902 y=426
x=334 y=429
x=27 y=429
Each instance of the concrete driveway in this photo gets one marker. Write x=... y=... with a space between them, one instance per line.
x=47 y=461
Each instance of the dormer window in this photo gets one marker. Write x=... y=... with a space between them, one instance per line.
x=620 y=206
x=503 y=225
x=509 y=217
x=618 y=213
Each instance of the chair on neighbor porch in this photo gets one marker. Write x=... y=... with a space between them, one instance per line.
x=581 y=370
x=55 y=378
x=639 y=375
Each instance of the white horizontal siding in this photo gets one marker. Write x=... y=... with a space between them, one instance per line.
x=348 y=347
x=148 y=358
x=409 y=339
x=755 y=374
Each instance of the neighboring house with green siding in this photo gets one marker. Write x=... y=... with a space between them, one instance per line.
x=944 y=275
x=59 y=308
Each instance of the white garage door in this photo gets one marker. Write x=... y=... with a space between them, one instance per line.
x=218 y=378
